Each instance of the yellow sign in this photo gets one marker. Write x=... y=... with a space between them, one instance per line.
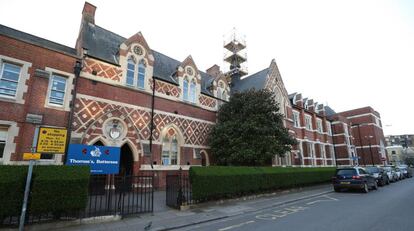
x=31 y=156
x=51 y=140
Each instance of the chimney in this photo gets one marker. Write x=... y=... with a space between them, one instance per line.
x=214 y=70
x=88 y=13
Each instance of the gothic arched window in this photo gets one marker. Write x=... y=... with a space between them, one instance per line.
x=185 y=89
x=141 y=74
x=170 y=148
x=130 y=72
x=193 y=91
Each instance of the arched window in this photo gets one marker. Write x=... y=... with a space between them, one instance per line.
x=224 y=97
x=193 y=91
x=141 y=74
x=185 y=89
x=130 y=72
x=170 y=148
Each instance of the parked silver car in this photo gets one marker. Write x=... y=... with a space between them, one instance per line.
x=392 y=175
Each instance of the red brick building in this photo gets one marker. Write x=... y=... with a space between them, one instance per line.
x=124 y=84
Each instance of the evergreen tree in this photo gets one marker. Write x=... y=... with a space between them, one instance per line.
x=249 y=130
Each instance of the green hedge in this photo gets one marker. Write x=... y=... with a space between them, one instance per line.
x=54 y=189
x=224 y=182
x=12 y=182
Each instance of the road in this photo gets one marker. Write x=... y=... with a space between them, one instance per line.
x=388 y=208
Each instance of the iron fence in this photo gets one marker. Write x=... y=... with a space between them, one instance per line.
x=178 y=190
x=107 y=195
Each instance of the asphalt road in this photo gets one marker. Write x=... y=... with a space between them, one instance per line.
x=388 y=208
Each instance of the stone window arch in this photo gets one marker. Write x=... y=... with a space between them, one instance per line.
x=171 y=145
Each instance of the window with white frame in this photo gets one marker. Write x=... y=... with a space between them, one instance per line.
x=3 y=138
x=57 y=90
x=322 y=150
x=328 y=128
x=193 y=91
x=9 y=79
x=135 y=76
x=185 y=89
x=319 y=125
x=296 y=119
x=308 y=122
x=170 y=150
x=141 y=74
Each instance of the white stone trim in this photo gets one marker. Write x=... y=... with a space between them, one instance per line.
x=367 y=146
x=68 y=90
x=157 y=167
x=12 y=133
x=140 y=108
x=362 y=115
x=23 y=78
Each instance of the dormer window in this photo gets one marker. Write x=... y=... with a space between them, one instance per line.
x=135 y=73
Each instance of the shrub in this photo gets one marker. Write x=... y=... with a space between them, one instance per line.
x=12 y=183
x=59 y=189
x=54 y=189
x=223 y=182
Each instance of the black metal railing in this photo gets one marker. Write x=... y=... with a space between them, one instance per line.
x=178 y=190
x=108 y=195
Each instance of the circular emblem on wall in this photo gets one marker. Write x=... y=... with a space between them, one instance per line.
x=114 y=129
x=138 y=50
x=190 y=71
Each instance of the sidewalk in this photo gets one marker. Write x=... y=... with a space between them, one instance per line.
x=165 y=218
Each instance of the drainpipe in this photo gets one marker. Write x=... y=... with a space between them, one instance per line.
x=152 y=119
x=76 y=69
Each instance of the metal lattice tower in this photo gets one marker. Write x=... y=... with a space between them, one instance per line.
x=235 y=54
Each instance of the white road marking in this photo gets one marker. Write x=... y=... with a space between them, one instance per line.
x=236 y=226
x=328 y=198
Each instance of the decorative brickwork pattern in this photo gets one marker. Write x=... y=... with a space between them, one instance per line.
x=103 y=70
x=207 y=101
x=166 y=88
x=90 y=115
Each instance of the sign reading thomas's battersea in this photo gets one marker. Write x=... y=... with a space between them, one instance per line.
x=101 y=159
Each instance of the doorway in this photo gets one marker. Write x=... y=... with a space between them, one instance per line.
x=126 y=161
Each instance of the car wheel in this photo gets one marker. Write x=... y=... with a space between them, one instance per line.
x=375 y=186
x=388 y=181
x=365 y=189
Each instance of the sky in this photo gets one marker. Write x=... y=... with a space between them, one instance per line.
x=345 y=54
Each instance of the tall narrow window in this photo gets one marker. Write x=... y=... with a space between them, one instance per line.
x=185 y=89
x=319 y=125
x=170 y=149
x=224 y=95
x=57 y=90
x=130 y=72
x=3 y=136
x=328 y=128
x=141 y=74
x=9 y=79
x=193 y=91
x=308 y=122
x=296 y=119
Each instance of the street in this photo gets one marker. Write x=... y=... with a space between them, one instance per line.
x=388 y=208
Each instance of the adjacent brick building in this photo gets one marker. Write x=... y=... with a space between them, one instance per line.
x=124 y=84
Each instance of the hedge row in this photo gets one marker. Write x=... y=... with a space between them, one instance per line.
x=54 y=189
x=209 y=183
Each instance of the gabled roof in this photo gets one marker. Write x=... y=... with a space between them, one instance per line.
x=104 y=45
x=255 y=81
x=41 y=42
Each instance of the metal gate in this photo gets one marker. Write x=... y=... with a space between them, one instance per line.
x=178 y=190
x=121 y=195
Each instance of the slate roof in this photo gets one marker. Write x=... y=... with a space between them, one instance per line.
x=255 y=81
x=19 y=35
x=104 y=45
x=329 y=111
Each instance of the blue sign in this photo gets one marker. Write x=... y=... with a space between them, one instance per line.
x=101 y=159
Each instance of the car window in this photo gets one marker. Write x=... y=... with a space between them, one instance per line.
x=342 y=172
x=372 y=170
x=362 y=171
